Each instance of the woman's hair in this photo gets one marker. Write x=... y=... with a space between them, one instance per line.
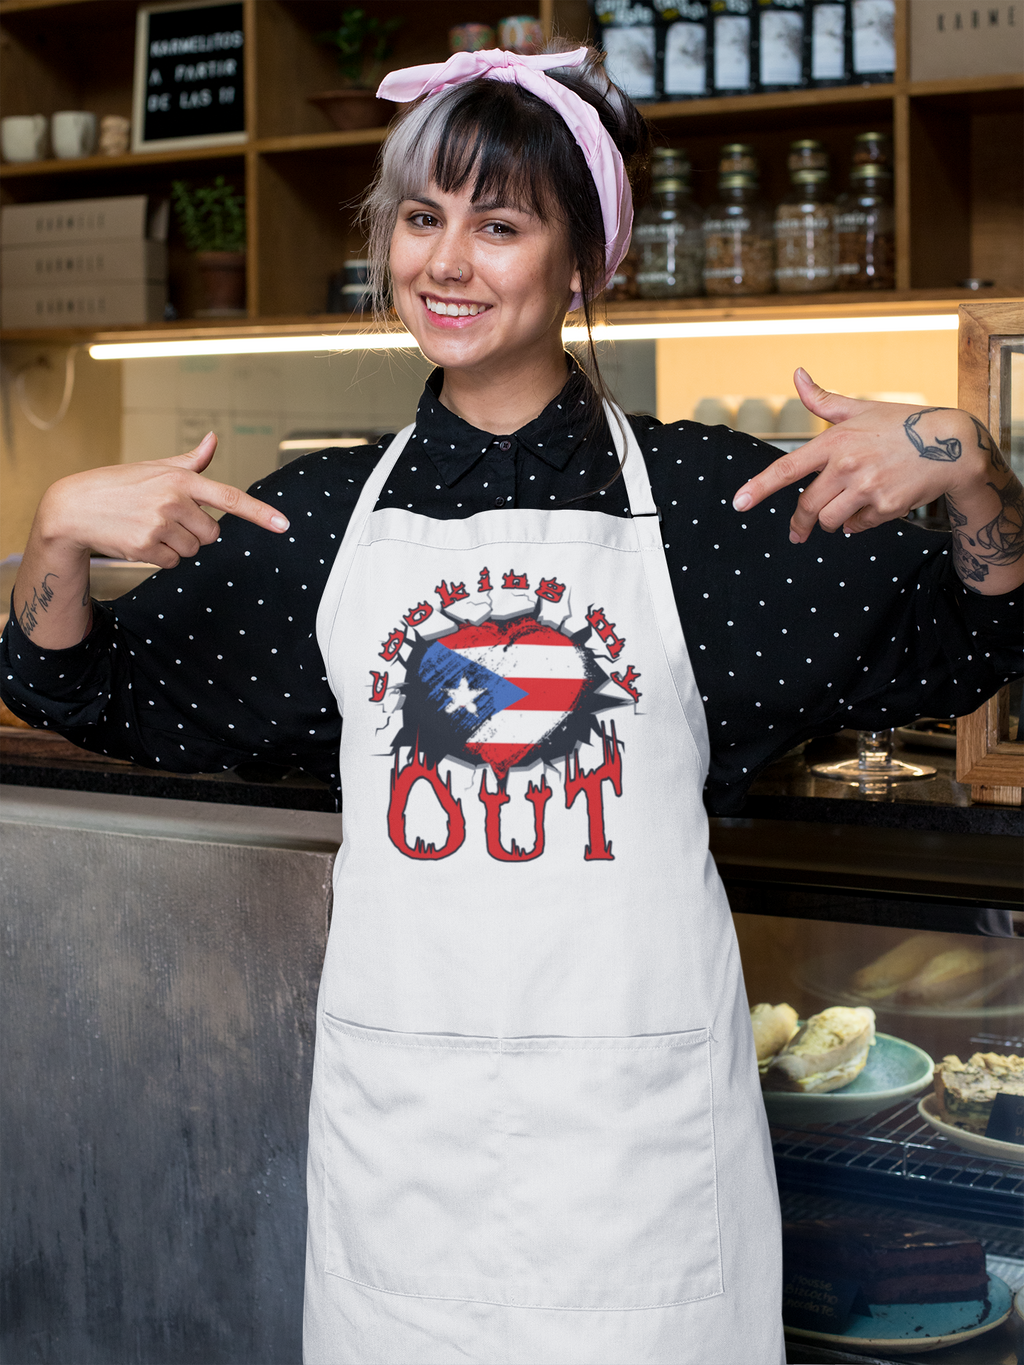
x=513 y=147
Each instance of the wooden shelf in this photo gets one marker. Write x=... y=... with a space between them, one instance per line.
x=883 y=303
x=958 y=150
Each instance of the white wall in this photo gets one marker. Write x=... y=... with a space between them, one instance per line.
x=251 y=402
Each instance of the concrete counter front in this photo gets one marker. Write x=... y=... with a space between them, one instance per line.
x=161 y=961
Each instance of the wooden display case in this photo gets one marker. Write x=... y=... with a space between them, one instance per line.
x=958 y=145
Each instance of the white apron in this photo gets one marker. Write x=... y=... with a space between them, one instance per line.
x=536 y=1132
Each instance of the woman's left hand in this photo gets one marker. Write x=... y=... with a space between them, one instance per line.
x=882 y=460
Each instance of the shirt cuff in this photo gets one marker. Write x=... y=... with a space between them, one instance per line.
x=56 y=673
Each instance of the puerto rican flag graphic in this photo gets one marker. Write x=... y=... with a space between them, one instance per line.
x=502 y=693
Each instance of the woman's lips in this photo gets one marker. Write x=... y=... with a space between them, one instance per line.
x=447 y=318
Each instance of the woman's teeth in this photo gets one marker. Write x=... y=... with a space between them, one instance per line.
x=455 y=310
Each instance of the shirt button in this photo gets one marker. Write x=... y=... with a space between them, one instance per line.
x=504 y=445
x=499 y=502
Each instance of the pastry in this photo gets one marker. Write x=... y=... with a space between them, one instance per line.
x=893 y=1260
x=948 y=976
x=774 y=1026
x=888 y=972
x=829 y=1052
x=966 y=1091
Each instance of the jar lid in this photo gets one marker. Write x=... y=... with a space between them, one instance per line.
x=871 y=171
x=737 y=180
x=669 y=183
x=811 y=143
x=809 y=176
x=670 y=154
x=872 y=137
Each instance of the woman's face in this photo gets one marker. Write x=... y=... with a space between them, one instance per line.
x=480 y=283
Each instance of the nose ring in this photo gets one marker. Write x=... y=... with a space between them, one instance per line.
x=460 y=272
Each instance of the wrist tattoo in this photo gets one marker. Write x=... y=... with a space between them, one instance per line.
x=999 y=543
x=28 y=617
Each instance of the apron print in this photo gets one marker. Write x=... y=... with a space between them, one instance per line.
x=499 y=677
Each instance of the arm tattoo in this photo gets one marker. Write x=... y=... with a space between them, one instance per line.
x=28 y=617
x=968 y=566
x=1001 y=541
x=946 y=448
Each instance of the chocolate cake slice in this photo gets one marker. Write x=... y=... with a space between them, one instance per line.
x=893 y=1260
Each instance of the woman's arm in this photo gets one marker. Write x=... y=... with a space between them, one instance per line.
x=882 y=460
x=148 y=511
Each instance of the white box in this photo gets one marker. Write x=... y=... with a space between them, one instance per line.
x=82 y=220
x=952 y=39
x=89 y=263
x=99 y=305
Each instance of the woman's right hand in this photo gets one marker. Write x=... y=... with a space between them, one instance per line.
x=150 y=511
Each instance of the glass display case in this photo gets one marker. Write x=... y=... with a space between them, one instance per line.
x=903 y=1165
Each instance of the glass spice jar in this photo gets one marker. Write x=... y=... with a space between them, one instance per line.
x=667 y=235
x=807 y=154
x=872 y=149
x=805 y=235
x=739 y=250
x=865 y=236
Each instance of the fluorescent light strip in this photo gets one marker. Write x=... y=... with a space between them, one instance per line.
x=639 y=331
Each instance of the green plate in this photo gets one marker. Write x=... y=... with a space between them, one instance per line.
x=895 y=1071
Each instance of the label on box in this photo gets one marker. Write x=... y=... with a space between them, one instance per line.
x=820 y=1303
x=953 y=39
x=1006 y=1121
x=86 y=263
x=83 y=305
x=78 y=220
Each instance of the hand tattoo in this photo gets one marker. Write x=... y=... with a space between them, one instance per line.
x=946 y=448
x=28 y=617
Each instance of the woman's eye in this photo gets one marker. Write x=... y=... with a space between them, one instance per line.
x=422 y=220
x=500 y=229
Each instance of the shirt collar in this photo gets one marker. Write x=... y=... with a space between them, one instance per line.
x=455 y=447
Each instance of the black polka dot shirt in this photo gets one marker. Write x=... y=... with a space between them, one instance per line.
x=215 y=662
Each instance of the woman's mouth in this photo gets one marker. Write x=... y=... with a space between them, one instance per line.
x=453 y=312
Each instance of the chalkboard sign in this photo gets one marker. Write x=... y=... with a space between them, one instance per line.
x=189 y=75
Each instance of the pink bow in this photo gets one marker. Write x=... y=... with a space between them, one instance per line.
x=603 y=158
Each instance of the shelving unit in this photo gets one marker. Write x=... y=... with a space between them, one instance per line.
x=958 y=149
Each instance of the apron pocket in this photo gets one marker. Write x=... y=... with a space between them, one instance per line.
x=548 y=1172
x=610 y=1170
x=412 y=1154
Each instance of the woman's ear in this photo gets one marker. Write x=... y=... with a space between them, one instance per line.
x=575 y=284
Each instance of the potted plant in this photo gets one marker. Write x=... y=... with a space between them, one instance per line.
x=362 y=42
x=212 y=221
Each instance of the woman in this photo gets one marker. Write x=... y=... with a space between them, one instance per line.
x=536 y=1133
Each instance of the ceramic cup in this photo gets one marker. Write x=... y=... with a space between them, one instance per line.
x=521 y=33
x=73 y=133
x=23 y=137
x=114 y=131
x=470 y=37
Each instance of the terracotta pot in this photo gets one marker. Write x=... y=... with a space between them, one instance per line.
x=350 y=109
x=222 y=282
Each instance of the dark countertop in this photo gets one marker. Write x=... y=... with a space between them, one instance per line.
x=785 y=791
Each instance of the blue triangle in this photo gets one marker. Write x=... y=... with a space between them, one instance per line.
x=442 y=670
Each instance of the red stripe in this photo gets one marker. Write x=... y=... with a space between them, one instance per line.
x=546 y=694
x=501 y=757
x=493 y=633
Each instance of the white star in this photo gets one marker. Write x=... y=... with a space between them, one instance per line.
x=463 y=695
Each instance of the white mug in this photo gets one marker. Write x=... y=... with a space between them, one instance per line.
x=23 y=137
x=73 y=133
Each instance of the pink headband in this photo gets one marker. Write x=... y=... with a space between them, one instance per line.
x=604 y=161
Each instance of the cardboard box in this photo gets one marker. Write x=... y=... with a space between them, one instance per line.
x=83 y=305
x=962 y=38
x=89 y=263
x=73 y=221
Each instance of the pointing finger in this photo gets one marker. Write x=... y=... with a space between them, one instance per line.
x=780 y=474
x=228 y=499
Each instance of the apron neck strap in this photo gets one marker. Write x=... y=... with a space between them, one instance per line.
x=634 y=469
